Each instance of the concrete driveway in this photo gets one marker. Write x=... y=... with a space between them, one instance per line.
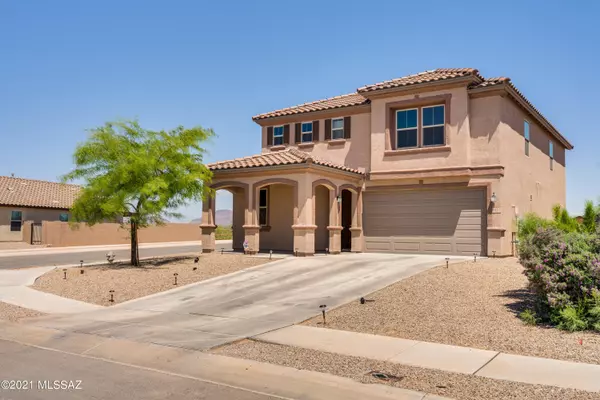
x=247 y=303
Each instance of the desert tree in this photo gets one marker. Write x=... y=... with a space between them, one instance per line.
x=140 y=174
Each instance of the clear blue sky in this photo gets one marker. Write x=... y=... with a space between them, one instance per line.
x=66 y=66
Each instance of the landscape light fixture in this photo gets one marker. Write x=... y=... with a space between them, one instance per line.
x=447 y=260
x=323 y=308
x=112 y=298
x=65 y=272
x=175 y=275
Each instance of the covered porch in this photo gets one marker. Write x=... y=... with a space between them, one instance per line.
x=288 y=201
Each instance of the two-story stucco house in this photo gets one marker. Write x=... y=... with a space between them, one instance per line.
x=443 y=162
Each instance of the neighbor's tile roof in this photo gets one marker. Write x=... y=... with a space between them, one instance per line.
x=284 y=157
x=346 y=100
x=440 y=74
x=33 y=193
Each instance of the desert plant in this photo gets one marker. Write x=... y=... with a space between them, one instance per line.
x=530 y=223
x=571 y=319
x=589 y=217
x=528 y=317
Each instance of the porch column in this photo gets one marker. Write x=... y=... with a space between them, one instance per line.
x=356 y=227
x=334 y=228
x=251 y=226
x=304 y=227
x=208 y=225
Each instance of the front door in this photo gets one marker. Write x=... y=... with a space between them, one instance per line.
x=346 y=220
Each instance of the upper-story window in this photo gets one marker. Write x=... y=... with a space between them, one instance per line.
x=337 y=128
x=433 y=126
x=406 y=128
x=551 y=154
x=432 y=129
x=277 y=135
x=307 y=132
x=527 y=137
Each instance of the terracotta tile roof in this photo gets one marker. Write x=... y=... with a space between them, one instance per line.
x=284 y=157
x=506 y=82
x=346 y=100
x=440 y=74
x=33 y=193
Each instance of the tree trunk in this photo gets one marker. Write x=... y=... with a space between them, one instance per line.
x=135 y=255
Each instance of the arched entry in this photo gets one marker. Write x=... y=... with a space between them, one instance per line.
x=348 y=207
x=239 y=192
x=323 y=203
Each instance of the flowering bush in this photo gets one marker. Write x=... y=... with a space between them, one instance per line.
x=564 y=272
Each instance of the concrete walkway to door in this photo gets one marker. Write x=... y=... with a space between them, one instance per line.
x=246 y=303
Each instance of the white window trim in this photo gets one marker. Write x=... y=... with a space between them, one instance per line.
x=342 y=129
x=432 y=126
x=266 y=207
x=527 y=139
x=278 y=136
x=302 y=133
x=16 y=220
x=407 y=129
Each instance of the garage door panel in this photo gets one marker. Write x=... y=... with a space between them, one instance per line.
x=427 y=221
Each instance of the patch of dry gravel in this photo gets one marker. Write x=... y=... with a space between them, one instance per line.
x=133 y=282
x=457 y=386
x=13 y=313
x=469 y=304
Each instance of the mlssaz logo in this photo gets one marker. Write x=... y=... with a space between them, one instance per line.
x=59 y=385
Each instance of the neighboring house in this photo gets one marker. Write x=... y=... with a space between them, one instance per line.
x=441 y=162
x=32 y=200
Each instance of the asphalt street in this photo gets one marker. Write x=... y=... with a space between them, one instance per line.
x=42 y=260
x=48 y=374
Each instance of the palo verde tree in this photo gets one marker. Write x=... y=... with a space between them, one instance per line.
x=145 y=175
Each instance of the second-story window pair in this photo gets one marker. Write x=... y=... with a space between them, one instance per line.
x=432 y=127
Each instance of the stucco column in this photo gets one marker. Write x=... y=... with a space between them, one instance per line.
x=356 y=227
x=304 y=227
x=334 y=228
x=208 y=225
x=251 y=227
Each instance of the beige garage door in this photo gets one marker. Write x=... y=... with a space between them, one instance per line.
x=424 y=221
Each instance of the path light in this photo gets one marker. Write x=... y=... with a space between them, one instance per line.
x=447 y=260
x=323 y=308
x=296 y=252
x=80 y=263
x=474 y=257
x=270 y=254
x=222 y=251
x=175 y=275
x=112 y=295
x=494 y=253
x=65 y=272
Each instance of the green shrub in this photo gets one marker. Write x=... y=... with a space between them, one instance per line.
x=570 y=319
x=530 y=224
x=528 y=317
x=223 y=233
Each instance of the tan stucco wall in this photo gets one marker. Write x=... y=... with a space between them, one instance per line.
x=281 y=235
x=29 y=214
x=58 y=234
x=353 y=152
x=528 y=184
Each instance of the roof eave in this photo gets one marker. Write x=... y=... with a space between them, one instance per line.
x=373 y=93
x=267 y=121
x=217 y=173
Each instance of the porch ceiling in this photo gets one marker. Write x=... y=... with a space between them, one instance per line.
x=288 y=157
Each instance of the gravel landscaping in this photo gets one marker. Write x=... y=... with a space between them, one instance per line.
x=469 y=304
x=456 y=386
x=9 y=312
x=133 y=282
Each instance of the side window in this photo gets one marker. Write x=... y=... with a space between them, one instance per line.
x=263 y=207
x=277 y=135
x=307 y=132
x=406 y=128
x=551 y=153
x=433 y=126
x=527 y=137
x=16 y=220
x=337 y=128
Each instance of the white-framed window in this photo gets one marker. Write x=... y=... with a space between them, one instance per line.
x=527 y=137
x=337 y=128
x=433 y=122
x=407 y=131
x=263 y=207
x=277 y=135
x=16 y=221
x=551 y=154
x=306 y=132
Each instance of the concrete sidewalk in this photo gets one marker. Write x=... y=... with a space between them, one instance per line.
x=14 y=290
x=465 y=360
x=279 y=382
x=107 y=247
